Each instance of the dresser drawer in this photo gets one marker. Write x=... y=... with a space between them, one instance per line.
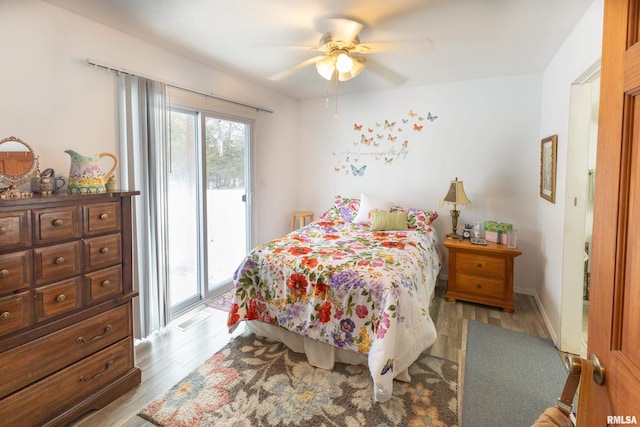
x=56 y=224
x=104 y=283
x=14 y=230
x=101 y=218
x=480 y=285
x=58 y=391
x=15 y=312
x=26 y=364
x=58 y=298
x=57 y=261
x=102 y=251
x=480 y=265
x=15 y=271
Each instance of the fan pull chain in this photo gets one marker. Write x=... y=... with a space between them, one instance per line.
x=336 y=115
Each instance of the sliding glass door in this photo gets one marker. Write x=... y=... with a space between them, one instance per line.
x=225 y=171
x=208 y=204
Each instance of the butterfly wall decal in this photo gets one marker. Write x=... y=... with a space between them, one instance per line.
x=417 y=128
x=357 y=126
x=366 y=141
x=430 y=117
x=388 y=160
x=392 y=138
x=389 y=125
x=412 y=114
x=358 y=172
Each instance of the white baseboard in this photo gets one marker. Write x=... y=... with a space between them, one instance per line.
x=547 y=322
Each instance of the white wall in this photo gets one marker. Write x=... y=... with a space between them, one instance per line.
x=578 y=53
x=54 y=101
x=486 y=134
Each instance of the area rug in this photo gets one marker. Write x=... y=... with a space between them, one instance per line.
x=256 y=382
x=221 y=302
x=509 y=377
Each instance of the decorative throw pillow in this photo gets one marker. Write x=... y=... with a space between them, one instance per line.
x=342 y=209
x=417 y=219
x=385 y=221
x=368 y=204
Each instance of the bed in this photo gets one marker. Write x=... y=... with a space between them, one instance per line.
x=346 y=289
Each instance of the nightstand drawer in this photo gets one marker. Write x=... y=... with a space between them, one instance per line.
x=480 y=265
x=480 y=285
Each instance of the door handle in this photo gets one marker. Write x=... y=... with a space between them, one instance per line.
x=598 y=370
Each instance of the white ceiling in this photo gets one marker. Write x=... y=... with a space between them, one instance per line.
x=471 y=38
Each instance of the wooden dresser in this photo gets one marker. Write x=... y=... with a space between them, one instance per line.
x=482 y=274
x=66 y=343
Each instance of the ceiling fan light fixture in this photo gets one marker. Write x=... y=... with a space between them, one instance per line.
x=326 y=66
x=344 y=63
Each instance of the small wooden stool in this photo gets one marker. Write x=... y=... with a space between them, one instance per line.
x=302 y=218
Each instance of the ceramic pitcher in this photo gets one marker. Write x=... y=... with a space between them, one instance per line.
x=86 y=175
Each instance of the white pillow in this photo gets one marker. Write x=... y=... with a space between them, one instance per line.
x=367 y=204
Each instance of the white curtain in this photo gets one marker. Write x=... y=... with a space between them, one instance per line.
x=144 y=132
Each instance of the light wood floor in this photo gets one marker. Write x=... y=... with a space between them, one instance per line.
x=168 y=358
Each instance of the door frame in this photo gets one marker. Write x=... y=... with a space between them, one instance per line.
x=580 y=129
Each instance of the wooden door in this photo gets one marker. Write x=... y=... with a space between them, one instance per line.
x=614 y=318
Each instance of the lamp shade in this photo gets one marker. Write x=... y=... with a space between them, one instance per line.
x=455 y=195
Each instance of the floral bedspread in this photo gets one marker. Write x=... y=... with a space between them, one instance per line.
x=339 y=283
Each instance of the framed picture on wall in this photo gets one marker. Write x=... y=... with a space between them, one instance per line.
x=548 y=150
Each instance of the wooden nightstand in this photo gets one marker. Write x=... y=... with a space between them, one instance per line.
x=482 y=274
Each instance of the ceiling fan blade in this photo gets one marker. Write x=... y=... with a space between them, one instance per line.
x=418 y=43
x=385 y=72
x=282 y=46
x=285 y=73
x=344 y=30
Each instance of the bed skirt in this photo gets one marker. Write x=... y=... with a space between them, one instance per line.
x=319 y=354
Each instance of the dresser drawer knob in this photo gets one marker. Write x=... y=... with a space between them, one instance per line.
x=3 y=230
x=4 y=272
x=5 y=315
x=107 y=365
x=479 y=265
x=104 y=250
x=104 y=216
x=479 y=286
x=57 y=223
x=61 y=297
x=60 y=260
x=106 y=283
x=81 y=340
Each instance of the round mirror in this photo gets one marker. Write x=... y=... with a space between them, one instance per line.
x=17 y=165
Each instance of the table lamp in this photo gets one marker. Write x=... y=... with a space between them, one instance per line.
x=455 y=196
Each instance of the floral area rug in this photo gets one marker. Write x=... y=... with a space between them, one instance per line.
x=256 y=382
x=221 y=302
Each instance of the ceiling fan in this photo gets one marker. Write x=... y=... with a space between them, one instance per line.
x=344 y=56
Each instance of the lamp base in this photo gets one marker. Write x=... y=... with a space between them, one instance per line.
x=454 y=236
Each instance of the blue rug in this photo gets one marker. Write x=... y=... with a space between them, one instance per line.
x=510 y=378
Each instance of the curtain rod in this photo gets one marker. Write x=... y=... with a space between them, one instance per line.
x=209 y=95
